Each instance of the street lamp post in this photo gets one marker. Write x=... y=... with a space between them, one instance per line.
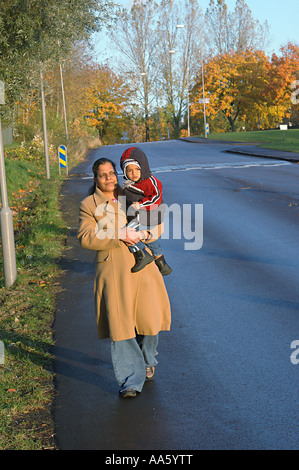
x=63 y=97
x=6 y=219
x=45 y=126
x=63 y=101
x=188 y=102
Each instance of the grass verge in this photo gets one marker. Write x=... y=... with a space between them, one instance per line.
x=286 y=141
x=27 y=308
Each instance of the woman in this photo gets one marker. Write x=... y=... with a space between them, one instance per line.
x=127 y=304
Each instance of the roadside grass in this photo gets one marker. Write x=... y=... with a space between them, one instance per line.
x=27 y=309
x=286 y=141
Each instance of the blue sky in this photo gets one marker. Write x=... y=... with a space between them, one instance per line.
x=282 y=16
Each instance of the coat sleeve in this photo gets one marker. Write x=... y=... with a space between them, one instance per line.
x=90 y=236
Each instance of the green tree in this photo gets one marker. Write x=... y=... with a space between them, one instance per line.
x=34 y=32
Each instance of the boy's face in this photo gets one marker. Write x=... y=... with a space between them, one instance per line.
x=133 y=172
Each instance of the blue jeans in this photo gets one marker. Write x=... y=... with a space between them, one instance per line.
x=154 y=246
x=130 y=359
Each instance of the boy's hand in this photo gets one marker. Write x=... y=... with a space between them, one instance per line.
x=136 y=205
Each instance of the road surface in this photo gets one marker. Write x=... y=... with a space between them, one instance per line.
x=228 y=371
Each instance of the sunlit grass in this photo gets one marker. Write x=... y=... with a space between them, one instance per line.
x=27 y=308
x=287 y=141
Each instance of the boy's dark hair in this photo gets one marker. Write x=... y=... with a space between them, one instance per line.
x=95 y=167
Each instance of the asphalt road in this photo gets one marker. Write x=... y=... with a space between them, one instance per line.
x=228 y=371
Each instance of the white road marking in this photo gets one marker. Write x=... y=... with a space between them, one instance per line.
x=208 y=166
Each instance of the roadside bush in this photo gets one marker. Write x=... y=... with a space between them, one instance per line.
x=29 y=151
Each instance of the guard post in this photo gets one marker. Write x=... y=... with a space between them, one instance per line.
x=283 y=128
x=62 y=158
x=6 y=219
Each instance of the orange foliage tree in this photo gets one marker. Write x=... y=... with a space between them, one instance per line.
x=234 y=84
x=97 y=101
x=283 y=71
x=107 y=99
x=248 y=87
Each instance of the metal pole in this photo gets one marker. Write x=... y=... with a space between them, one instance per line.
x=63 y=100
x=203 y=87
x=188 y=101
x=204 y=102
x=6 y=222
x=45 y=126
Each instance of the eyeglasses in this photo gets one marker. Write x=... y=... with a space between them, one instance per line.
x=106 y=175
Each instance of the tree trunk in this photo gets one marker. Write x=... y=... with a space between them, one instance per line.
x=147 y=129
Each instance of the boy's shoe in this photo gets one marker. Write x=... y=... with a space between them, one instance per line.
x=163 y=266
x=142 y=258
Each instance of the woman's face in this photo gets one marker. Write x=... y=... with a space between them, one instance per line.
x=106 y=179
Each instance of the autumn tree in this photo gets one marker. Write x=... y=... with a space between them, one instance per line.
x=283 y=71
x=235 y=83
x=249 y=87
x=97 y=100
x=78 y=71
x=107 y=98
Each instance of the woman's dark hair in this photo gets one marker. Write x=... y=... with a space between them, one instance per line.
x=95 y=167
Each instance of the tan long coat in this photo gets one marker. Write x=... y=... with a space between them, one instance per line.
x=124 y=301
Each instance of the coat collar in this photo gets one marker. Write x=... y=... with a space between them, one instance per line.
x=110 y=207
x=100 y=197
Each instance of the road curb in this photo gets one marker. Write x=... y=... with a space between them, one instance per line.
x=291 y=158
x=255 y=151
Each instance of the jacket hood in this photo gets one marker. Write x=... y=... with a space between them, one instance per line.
x=135 y=154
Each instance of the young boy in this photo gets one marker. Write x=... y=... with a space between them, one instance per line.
x=144 y=196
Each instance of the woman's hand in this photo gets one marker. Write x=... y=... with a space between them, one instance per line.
x=129 y=235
